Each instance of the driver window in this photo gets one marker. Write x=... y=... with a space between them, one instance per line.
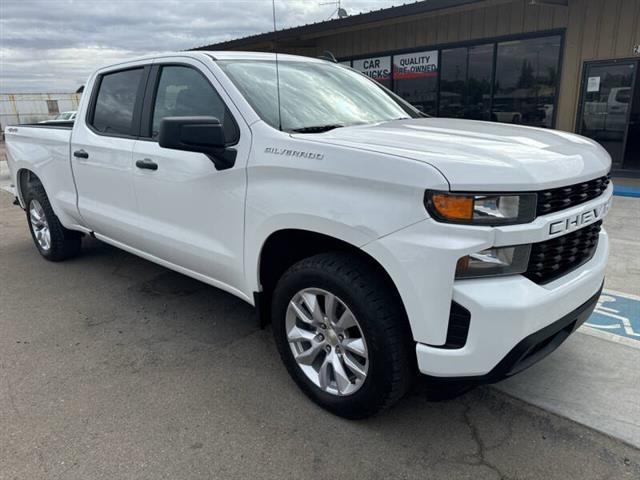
x=184 y=92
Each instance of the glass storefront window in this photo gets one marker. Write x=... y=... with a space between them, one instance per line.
x=378 y=68
x=511 y=81
x=525 y=83
x=465 y=84
x=453 y=80
x=415 y=78
x=479 y=82
x=606 y=104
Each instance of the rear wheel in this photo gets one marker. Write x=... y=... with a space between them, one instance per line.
x=53 y=241
x=342 y=335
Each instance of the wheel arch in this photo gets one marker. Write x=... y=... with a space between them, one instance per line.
x=284 y=247
x=23 y=177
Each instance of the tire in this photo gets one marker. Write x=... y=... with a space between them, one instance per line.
x=62 y=243
x=380 y=321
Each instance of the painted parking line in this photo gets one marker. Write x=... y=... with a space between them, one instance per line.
x=626 y=191
x=616 y=318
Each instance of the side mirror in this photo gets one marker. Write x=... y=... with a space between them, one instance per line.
x=197 y=134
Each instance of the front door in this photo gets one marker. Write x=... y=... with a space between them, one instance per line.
x=191 y=214
x=609 y=109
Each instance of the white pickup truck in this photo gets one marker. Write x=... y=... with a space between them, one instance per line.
x=378 y=242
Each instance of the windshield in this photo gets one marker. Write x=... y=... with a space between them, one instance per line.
x=314 y=96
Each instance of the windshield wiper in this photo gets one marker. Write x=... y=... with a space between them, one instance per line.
x=316 y=128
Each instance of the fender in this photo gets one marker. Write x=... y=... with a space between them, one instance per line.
x=256 y=239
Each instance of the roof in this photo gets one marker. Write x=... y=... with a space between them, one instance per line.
x=239 y=55
x=417 y=8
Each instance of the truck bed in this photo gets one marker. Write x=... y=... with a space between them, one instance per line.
x=46 y=149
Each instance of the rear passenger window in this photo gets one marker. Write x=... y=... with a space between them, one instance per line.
x=185 y=92
x=113 y=112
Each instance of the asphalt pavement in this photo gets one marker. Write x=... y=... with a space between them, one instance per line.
x=113 y=367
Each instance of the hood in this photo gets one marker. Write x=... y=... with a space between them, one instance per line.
x=476 y=155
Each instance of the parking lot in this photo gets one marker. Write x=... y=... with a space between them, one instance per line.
x=114 y=367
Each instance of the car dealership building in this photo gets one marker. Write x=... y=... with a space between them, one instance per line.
x=566 y=64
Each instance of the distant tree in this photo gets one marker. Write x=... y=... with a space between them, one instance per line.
x=527 y=78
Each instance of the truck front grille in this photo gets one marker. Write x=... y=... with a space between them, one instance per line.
x=554 y=258
x=557 y=199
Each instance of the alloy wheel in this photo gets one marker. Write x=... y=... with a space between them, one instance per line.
x=39 y=224
x=327 y=341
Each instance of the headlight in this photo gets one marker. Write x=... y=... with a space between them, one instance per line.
x=494 y=262
x=479 y=209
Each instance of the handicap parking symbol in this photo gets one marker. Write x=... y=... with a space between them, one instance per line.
x=618 y=314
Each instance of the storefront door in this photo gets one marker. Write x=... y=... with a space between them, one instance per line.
x=610 y=110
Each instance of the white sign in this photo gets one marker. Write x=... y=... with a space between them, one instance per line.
x=593 y=84
x=415 y=65
x=378 y=68
x=636 y=49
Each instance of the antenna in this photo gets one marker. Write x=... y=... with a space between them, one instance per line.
x=273 y=4
x=342 y=13
x=328 y=55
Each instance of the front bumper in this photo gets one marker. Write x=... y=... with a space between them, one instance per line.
x=538 y=345
x=507 y=311
x=504 y=311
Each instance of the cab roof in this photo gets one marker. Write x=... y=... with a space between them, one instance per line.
x=236 y=55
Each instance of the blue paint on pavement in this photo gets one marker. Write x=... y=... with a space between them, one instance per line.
x=618 y=314
x=626 y=191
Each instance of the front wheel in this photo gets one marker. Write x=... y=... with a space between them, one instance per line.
x=342 y=334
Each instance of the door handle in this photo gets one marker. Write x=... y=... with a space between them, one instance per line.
x=80 y=154
x=147 y=164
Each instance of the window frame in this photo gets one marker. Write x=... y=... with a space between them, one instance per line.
x=151 y=92
x=137 y=107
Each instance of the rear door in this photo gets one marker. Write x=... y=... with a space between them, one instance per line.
x=191 y=214
x=102 y=152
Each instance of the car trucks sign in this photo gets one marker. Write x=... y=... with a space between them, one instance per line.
x=415 y=65
x=378 y=68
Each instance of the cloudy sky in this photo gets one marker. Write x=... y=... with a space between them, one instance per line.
x=53 y=45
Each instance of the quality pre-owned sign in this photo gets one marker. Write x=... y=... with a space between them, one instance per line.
x=378 y=68
x=415 y=65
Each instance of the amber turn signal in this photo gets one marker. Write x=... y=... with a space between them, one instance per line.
x=462 y=266
x=453 y=207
